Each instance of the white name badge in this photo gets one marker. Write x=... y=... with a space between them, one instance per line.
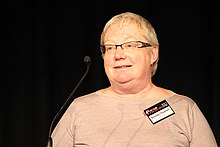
x=159 y=111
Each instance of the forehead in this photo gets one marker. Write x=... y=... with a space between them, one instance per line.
x=120 y=32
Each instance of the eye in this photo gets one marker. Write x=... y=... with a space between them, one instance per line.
x=130 y=45
x=109 y=48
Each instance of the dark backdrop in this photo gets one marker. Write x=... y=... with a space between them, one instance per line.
x=46 y=41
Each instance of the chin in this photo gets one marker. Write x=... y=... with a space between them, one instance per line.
x=123 y=80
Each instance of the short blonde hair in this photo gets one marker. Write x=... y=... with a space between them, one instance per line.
x=143 y=24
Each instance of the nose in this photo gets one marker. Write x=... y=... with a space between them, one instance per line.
x=119 y=53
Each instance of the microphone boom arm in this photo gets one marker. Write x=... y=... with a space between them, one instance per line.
x=87 y=61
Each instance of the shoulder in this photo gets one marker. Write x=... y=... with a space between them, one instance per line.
x=183 y=104
x=175 y=98
x=179 y=99
x=88 y=98
x=82 y=102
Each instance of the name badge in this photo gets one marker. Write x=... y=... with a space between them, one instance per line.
x=159 y=111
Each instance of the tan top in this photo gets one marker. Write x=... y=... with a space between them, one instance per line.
x=98 y=120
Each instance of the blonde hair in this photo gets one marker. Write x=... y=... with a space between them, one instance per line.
x=148 y=31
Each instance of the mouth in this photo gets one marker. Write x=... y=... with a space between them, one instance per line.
x=122 y=66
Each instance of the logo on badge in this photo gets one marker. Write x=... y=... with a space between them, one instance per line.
x=159 y=111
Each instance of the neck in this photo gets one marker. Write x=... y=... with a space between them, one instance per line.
x=129 y=93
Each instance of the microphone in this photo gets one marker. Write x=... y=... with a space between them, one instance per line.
x=87 y=61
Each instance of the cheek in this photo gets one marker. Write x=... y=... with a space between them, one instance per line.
x=108 y=64
x=107 y=61
x=143 y=63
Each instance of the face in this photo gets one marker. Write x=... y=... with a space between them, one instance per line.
x=123 y=68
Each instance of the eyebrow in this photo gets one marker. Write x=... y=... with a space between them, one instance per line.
x=126 y=40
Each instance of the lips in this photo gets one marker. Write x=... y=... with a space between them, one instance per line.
x=122 y=66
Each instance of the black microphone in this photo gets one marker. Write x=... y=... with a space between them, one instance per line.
x=87 y=61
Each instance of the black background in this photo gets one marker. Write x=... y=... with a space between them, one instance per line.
x=45 y=43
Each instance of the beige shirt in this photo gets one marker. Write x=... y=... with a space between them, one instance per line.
x=98 y=120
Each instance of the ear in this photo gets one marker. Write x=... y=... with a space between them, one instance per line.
x=154 y=54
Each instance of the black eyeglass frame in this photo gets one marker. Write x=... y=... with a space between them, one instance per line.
x=144 y=44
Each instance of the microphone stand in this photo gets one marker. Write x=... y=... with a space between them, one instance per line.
x=87 y=61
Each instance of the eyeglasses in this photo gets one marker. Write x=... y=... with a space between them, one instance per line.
x=127 y=46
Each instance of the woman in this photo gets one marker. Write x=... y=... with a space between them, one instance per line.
x=132 y=111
